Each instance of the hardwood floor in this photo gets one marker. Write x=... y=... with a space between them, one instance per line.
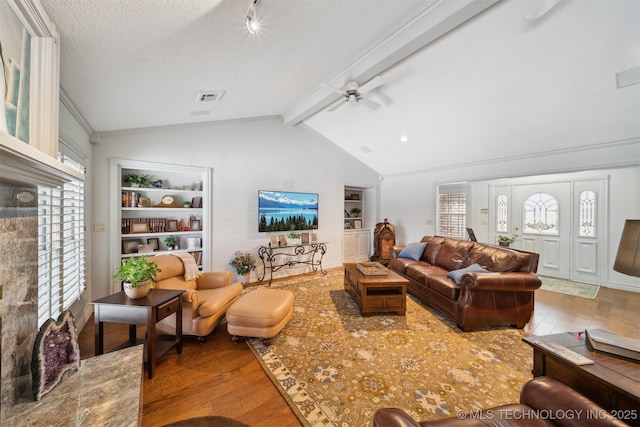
x=221 y=378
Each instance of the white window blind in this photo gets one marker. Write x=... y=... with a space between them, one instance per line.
x=452 y=211
x=61 y=246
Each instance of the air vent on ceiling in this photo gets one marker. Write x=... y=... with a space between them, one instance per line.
x=210 y=96
x=365 y=149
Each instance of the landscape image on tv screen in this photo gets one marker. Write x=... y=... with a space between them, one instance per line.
x=284 y=211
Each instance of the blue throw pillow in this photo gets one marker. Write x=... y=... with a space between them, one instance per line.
x=456 y=275
x=413 y=251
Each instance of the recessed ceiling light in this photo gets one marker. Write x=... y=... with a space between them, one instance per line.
x=404 y=138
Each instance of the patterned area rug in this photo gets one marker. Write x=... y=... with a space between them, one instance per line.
x=335 y=367
x=578 y=289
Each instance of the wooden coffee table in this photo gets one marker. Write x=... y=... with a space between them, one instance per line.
x=376 y=294
x=612 y=382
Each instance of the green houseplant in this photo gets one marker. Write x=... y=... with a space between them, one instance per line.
x=137 y=275
x=171 y=242
x=507 y=240
x=355 y=212
x=137 y=180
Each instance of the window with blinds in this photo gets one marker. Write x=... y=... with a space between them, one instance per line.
x=61 y=247
x=452 y=214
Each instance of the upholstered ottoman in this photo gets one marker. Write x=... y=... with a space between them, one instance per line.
x=261 y=313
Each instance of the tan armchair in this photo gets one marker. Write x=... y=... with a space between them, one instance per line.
x=205 y=300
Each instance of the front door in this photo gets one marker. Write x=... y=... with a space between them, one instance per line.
x=542 y=213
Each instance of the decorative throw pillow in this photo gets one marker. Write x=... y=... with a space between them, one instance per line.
x=413 y=251
x=456 y=275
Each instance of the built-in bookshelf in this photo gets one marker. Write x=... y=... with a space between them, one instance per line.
x=357 y=239
x=173 y=201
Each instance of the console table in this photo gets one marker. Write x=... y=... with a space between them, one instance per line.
x=611 y=382
x=275 y=258
x=148 y=311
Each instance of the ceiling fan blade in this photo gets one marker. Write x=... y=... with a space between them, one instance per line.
x=332 y=89
x=337 y=104
x=371 y=84
x=369 y=103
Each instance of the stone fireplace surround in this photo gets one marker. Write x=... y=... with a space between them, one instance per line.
x=22 y=167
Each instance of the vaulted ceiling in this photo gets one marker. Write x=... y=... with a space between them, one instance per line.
x=465 y=81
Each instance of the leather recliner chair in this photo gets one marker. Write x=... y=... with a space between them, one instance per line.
x=544 y=402
x=205 y=300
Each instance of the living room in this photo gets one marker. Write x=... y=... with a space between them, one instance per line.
x=579 y=139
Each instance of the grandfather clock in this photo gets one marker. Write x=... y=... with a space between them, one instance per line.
x=384 y=239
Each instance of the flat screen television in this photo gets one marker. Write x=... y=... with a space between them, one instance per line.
x=287 y=211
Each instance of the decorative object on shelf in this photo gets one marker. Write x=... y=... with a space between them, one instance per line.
x=172 y=225
x=167 y=201
x=156 y=184
x=55 y=352
x=194 y=223
x=507 y=240
x=139 y=227
x=145 y=249
x=294 y=238
x=357 y=225
x=355 y=212
x=197 y=186
x=244 y=264
x=305 y=238
x=137 y=275
x=193 y=243
x=282 y=240
x=171 y=242
x=154 y=243
x=186 y=204
x=273 y=240
x=144 y=202
x=196 y=202
x=135 y=180
x=130 y=246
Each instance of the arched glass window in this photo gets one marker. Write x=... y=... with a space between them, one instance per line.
x=502 y=221
x=541 y=214
x=587 y=214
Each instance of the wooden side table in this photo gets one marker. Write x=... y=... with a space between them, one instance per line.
x=376 y=294
x=158 y=304
x=612 y=382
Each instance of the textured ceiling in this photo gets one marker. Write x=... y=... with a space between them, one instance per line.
x=495 y=85
x=141 y=63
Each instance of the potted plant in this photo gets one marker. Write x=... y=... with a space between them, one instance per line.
x=137 y=180
x=171 y=242
x=243 y=263
x=507 y=240
x=186 y=204
x=137 y=275
x=355 y=212
x=294 y=238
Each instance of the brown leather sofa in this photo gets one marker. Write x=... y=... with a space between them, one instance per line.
x=503 y=295
x=205 y=300
x=543 y=402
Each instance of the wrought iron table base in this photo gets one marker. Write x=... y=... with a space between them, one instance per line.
x=269 y=256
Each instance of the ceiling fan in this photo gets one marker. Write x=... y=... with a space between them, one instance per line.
x=354 y=94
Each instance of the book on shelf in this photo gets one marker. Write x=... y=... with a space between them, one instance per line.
x=617 y=345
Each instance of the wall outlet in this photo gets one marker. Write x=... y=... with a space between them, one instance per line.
x=98 y=228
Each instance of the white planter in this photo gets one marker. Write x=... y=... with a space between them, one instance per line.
x=140 y=291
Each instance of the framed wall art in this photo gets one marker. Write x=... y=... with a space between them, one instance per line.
x=172 y=225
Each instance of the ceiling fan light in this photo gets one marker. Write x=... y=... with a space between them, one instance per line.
x=251 y=19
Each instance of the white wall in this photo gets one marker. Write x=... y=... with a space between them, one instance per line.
x=246 y=156
x=409 y=201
